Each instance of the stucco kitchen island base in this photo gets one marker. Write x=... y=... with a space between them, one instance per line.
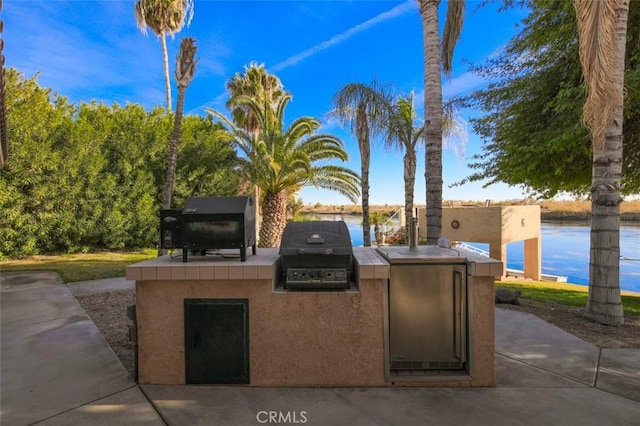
x=301 y=339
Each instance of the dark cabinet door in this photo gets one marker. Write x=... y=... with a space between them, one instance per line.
x=216 y=341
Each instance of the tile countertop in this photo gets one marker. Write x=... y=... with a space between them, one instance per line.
x=477 y=265
x=226 y=266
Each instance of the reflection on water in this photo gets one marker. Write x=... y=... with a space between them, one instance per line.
x=565 y=249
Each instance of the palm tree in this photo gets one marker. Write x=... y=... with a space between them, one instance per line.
x=364 y=109
x=295 y=206
x=164 y=17
x=258 y=84
x=378 y=219
x=185 y=69
x=402 y=132
x=433 y=99
x=602 y=30
x=280 y=160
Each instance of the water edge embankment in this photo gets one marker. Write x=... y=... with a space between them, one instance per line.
x=583 y=216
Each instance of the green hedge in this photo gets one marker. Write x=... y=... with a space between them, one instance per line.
x=91 y=176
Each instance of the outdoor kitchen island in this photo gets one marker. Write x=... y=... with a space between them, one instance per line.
x=216 y=320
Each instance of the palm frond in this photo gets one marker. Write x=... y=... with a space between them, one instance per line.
x=256 y=83
x=451 y=33
x=186 y=62
x=323 y=147
x=339 y=179
x=454 y=131
x=278 y=159
x=402 y=131
x=163 y=16
x=376 y=99
x=596 y=30
x=301 y=127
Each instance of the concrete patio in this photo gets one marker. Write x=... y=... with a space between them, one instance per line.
x=57 y=369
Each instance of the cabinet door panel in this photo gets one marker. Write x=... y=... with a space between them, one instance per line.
x=216 y=341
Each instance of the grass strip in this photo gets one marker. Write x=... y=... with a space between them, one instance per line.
x=82 y=266
x=565 y=294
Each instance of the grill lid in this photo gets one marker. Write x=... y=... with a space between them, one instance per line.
x=218 y=205
x=323 y=237
x=316 y=256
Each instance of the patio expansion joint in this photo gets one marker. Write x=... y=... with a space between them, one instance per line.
x=134 y=385
x=595 y=379
x=609 y=371
x=555 y=373
x=154 y=406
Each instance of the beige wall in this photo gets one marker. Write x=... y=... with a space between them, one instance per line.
x=497 y=226
x=482 y=330
x=296 y=339
x=487 y=224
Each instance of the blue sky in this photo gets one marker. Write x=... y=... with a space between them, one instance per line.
x=92 y=50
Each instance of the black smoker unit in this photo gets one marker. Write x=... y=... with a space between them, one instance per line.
x=210 y=223
x=170 y=229
x=316 y=255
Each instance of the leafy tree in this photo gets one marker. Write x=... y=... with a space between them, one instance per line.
x=4 y=142
x=532 y=121
x=164 y=17
x=28 y=183
x=185 y=70
x=90 y=176
x=135 y=151
x=365 y=109
x=207 y=161
x=534 y=128
x=435 y=54
x=280 y=158
x=602 y=30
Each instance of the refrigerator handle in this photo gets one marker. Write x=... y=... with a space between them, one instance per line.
x=459 y=349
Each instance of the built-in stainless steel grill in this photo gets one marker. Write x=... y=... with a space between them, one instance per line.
x=316 y=255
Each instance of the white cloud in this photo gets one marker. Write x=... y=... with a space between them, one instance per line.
x=462 y=84
x=339 y=38
x=80 y=63
x=457 y=86
x=397 y=11
x=217 y=103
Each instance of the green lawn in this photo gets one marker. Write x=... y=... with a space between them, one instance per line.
x=564 y=294
x=81 y=267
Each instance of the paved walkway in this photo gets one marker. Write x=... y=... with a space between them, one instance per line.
x=56 y=369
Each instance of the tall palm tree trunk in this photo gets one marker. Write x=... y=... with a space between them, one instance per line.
x=433 y=118
x=165 y=62
x=173 y=151
x=409 y=183
x=362 y=133
x=604 y=302
x=274 y=218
